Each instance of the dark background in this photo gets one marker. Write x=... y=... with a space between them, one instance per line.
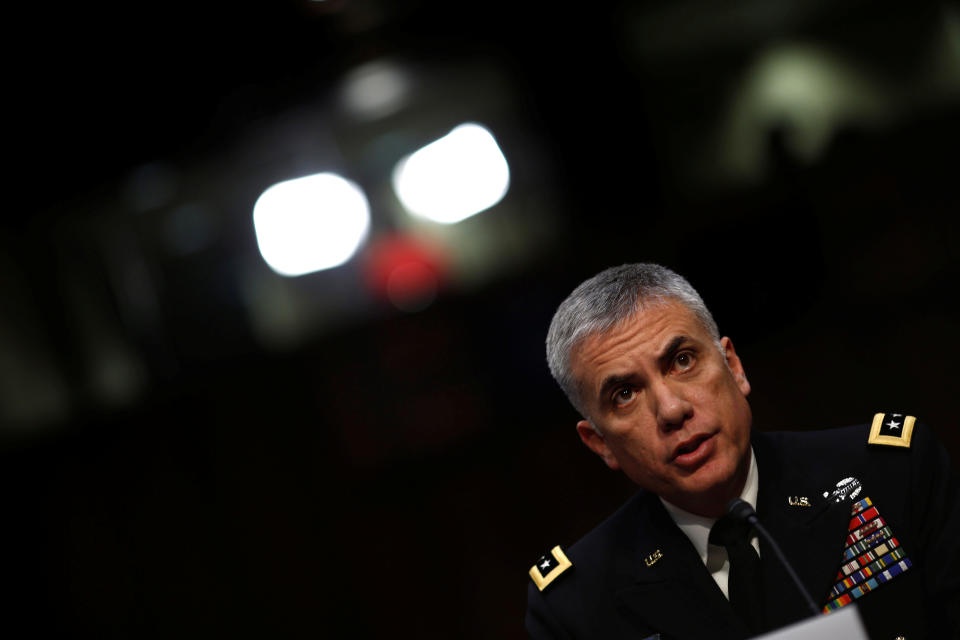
x=169 y=468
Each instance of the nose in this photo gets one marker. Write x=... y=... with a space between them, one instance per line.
x=670 y=406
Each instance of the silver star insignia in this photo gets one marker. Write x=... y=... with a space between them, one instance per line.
x=546 y=564
x=893 y=425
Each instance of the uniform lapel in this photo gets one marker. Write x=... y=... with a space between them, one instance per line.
x=812 y=537
x=674 y=594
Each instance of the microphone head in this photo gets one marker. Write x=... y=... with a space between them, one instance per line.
x=740 y=510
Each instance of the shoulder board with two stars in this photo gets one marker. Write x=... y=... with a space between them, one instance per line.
x=892 y=430
x=549 y=567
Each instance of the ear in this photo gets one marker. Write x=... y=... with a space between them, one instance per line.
x=735 y=366
x=595 y=442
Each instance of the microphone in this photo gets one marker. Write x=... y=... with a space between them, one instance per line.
x=741 y=510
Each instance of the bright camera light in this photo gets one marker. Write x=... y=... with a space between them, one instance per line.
x=310 y=223
x=453 y=178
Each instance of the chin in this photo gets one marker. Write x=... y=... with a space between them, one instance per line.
x=713 y=477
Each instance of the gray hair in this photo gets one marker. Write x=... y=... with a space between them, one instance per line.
x=607 y=299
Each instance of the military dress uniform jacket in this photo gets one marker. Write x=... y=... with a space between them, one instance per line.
x=637 y=575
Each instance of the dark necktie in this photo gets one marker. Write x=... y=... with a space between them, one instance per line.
x=743 y=584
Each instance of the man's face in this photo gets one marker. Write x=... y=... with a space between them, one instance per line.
x=671 y=408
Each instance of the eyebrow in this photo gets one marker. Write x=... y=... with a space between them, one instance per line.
x=666 y=354
x=612 y=381
x=671 y=348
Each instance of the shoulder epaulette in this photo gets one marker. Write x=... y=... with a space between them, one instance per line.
x=549 y=567
x=892 y=430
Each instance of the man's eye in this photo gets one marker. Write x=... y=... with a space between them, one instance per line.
x=623 y=396
x=683 y=361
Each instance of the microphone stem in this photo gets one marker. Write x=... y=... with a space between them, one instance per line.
x=752 y=519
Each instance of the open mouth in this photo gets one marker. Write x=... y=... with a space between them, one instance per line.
x=690 y=446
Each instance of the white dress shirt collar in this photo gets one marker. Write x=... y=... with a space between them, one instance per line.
x=697 y=528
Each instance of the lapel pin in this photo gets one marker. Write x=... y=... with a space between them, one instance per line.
x=798 y=501
x=651 y=559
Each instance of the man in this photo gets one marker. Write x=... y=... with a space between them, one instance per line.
x=868 y=516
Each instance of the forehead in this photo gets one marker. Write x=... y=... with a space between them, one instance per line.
x=643 y=335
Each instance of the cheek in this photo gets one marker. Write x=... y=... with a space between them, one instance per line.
x=644 y=457
x=630 y=446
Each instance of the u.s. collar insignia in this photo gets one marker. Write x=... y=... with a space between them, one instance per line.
x=892 y=430
x=549 y=567
x=652 y=559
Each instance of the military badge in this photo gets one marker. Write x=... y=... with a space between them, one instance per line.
x=549 y=567
x=892 y=430
x=872 y=556
x=848 y=488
